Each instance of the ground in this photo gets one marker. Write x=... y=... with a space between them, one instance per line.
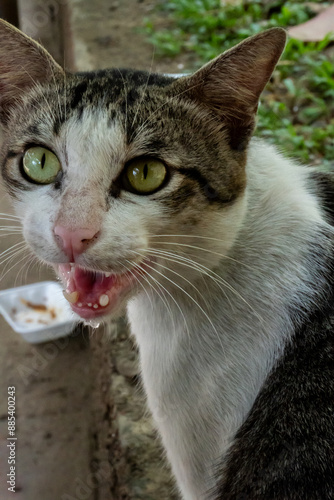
x=110 y=33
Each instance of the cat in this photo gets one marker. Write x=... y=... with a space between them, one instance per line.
x=148 y=192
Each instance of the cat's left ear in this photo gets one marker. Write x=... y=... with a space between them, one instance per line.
x=231 y=84
x=23 y=64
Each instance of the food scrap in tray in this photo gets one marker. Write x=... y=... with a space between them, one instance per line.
x=36 y=313
x=35 y=307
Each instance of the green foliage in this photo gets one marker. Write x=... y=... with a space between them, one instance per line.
x=297 y=110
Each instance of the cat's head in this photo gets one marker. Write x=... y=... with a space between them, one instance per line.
x=125 y=180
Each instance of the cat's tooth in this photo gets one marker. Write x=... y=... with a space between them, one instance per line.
x=104 y=300
x=95 y=306
x=71 y=297
x=89 y=304
x=108 y=275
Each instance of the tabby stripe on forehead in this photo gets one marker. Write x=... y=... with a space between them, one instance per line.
x=111 y=117
x=33 y=129
x=80 y=111
x=78 y=92
x=56 y=125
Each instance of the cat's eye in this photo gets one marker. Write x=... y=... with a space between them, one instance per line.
x=40 y=165
x=145 y=175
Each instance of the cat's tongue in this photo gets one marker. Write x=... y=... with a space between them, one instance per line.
x=90 y=293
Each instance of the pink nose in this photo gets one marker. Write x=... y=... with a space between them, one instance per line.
x=74 y=242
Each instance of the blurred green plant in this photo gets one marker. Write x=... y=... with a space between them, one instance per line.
x=297 y=108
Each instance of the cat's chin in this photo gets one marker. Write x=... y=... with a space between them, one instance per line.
x=94 y=294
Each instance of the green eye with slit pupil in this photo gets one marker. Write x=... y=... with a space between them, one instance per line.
x=40 y=165
x=144 y=175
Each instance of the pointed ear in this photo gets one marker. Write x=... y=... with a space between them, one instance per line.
x=23 y=63
x=231 y=84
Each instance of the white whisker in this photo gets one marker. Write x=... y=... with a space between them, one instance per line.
x=191 y=298
x=25 y=268
x=12 y=248
x=140 y=283
x=12 y=233
x=9 y=219
x=3 y=274
x=180 y=276
x=11 y=215
x=195 y=247
x=207 y=272
x=146 y=273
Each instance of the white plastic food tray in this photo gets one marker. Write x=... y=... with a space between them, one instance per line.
x=38 y=312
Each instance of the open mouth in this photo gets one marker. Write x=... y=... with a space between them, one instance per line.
x=91 y=293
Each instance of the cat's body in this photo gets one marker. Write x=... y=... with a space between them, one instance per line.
x=224 y=248
x=202 y=386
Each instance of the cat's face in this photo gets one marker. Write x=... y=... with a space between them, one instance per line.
x=127 y=181
x=100 y=147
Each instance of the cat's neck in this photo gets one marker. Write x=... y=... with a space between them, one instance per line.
x=239 y=329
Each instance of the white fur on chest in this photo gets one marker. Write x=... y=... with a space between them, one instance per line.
x=201 y=381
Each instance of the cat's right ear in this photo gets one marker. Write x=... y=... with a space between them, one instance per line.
x=230 y=85
x=23 y=64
